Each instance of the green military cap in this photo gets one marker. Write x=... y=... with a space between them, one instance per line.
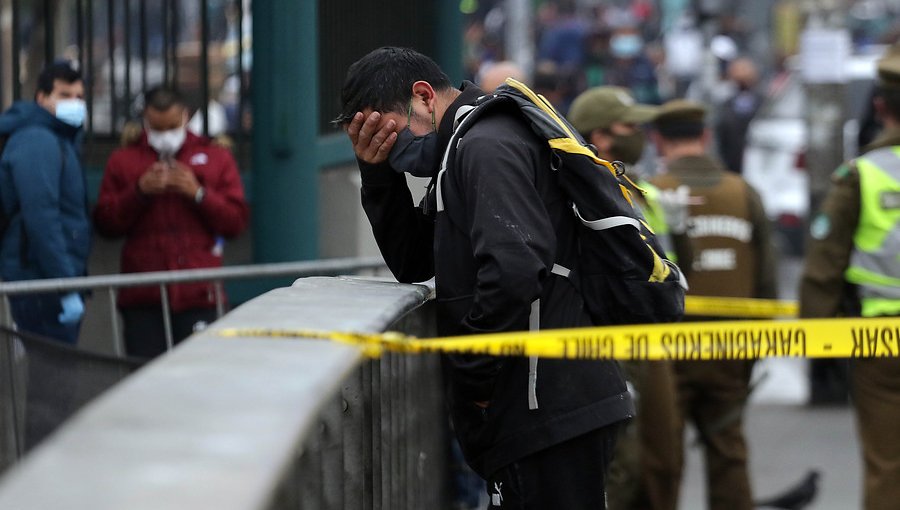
x=889 y=67
x=600 y=107
x=680 y=111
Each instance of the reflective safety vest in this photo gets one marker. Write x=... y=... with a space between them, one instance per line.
x=875 y=262
x=656 y=218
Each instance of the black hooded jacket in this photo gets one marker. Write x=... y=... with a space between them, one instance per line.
x=504 y=225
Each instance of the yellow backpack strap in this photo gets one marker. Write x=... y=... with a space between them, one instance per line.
x=570 y=142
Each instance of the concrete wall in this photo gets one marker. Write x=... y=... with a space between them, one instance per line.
x=257 y=423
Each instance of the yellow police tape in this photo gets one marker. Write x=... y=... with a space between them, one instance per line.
x=739 y=307
x=721 y=340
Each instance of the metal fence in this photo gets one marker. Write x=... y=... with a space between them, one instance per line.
x=125 y=46
x=252 y=423
x=46 y=382
x=109 y=285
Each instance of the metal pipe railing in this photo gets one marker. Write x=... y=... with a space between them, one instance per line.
x=163 y=278
x=306 y=268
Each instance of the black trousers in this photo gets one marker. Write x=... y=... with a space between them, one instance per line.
x=145 y=334
x=569 y=475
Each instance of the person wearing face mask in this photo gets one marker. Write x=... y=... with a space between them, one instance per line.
x=630 y=67
x=642 y=475
x=174 y=196
x=42 y=193
x=539 y=431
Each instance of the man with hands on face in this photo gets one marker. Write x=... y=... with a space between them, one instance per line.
x=540 y=431
x=174 y=196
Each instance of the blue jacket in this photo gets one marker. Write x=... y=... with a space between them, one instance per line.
x=43 y=198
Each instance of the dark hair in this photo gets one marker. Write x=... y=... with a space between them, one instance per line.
x=680 y=131
x=891 y=97
x=60 y=70
x=162 y=97
x=546 y=79
x=383 y=79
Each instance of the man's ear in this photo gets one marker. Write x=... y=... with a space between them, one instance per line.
x=424 y=92
x=40 y=98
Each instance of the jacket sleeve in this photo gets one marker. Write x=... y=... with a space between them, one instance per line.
x=119 y=203
x=822 y=286
x=224 y=207
x=766 y=286
x=405 y=235
x=513 y=239
x=36 y=168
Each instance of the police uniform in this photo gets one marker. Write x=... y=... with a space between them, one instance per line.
x=851 y=268
x=643 y=472
x=733 y=257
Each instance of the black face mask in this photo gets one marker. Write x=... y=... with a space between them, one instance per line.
x=415 y=155
x=628 y=148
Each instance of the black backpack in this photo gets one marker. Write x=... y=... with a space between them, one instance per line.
x=622 y=275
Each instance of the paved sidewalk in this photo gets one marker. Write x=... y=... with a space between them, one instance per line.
x=785 y=442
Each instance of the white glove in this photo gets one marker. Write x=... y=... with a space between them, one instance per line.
x=674 y=203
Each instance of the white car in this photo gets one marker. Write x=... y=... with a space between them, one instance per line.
x=775 y=154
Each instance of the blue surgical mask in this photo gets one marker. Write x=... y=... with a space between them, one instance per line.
x=415 y=155
x=71 y=111
x=626 y=45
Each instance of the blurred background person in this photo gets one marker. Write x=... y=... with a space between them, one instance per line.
x=44 y=198
x=733 y=257
x=174 y=196
x=495 y=74
x=851 y=270
x=737 y=112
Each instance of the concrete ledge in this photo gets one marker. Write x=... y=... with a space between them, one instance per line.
x=216 y=422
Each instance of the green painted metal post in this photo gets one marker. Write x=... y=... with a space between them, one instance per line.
x=285 y=128
x=449 y=35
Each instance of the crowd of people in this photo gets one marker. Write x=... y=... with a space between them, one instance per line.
x=497 y=233
x=492 y=234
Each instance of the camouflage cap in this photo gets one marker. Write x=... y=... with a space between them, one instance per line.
x=600 y=107
x=680 y=111
x=889 y=67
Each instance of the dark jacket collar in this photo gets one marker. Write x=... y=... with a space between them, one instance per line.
x=29 y=113
x=469 y=93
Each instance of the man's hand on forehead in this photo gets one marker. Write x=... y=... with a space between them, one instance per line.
x=372 y=136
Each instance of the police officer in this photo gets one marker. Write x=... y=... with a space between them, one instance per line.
x=642 y=474
x=851 y=268
x=610 y=120
x=733 y=257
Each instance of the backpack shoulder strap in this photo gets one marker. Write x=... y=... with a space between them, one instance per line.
x=463 y=119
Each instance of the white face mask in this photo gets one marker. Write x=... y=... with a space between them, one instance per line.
x=167 y=143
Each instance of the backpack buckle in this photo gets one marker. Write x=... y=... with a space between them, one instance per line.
x=619 y=167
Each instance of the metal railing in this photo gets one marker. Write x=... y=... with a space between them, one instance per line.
x=111 y=283
x=251 y=423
